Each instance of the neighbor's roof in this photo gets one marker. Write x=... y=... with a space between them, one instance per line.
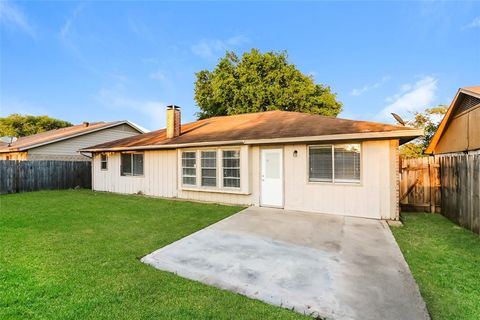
x=47 y=137
x=470 y=91
x=261 y=128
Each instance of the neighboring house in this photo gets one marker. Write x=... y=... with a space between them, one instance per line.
x=459 y=131
x=64 y=144
x=278 y=159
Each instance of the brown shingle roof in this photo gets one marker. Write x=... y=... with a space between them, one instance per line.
x=25 y=143
x=252 y=126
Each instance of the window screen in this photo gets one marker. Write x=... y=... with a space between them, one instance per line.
x=231 y=168
x=209 y=168
x=131 y=164
x=335 y=163
x=126 y=164
x=137 y=164
x=347 y=162
x=103 y=162
x=320 y=163
x=189 y=168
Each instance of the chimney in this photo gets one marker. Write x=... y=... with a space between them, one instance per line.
x=173 y=121
x=85 y=124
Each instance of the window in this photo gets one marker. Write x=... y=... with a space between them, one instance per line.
x=209 y=168
x=103 y=162
x=189 y=168
x=335 y=163
x=131 y=164
x=231 y=168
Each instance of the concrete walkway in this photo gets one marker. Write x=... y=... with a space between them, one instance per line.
x=322 y=265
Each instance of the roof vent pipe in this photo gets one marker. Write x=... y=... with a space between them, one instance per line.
x=173 y=121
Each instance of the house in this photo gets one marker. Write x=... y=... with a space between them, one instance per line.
x=278 y=159
x=63 y=144
x=459 y=131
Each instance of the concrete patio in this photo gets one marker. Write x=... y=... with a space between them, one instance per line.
x=322 y=265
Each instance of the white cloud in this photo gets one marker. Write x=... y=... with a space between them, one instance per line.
x=65 y=30
x=13 y=17
x=474 y=24
x=412 y=97
x=212 y=48
x=157 y=75
x=154 y=111
x=368 y=87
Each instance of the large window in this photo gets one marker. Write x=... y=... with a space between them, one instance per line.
x=335 y=163
x=103 y=162
x=189 y=168
x=217 y=169
x=209 y=168
x=231 y=168
x=131 y=164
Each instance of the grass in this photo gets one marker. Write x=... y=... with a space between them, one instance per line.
x=445 y=261
x=74 y=255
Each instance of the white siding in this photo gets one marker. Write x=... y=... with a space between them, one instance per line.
x=371 y=198
x=159 y=175
x=67 y=149
x=375 y=197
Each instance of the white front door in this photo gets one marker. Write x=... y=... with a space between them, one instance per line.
x=272 y=178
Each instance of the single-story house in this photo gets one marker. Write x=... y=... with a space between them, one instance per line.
x=280 y=159
x=64 y=143
x=459 y=131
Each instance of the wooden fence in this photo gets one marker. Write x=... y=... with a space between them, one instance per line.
x=21 y=176
x=420 y=184
x=447 y=184
x=460 y=176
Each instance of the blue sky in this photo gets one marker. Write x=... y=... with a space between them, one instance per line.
x=94 y=61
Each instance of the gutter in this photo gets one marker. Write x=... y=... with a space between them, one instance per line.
x=413 y=133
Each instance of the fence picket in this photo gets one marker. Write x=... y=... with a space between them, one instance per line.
x=22 y=176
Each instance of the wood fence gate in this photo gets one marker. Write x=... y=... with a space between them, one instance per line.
x=447 y=184
x=420 y=184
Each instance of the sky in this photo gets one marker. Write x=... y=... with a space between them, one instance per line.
x=105 y=61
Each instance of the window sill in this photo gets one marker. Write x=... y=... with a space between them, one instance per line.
x=325 y=183
x=229 y=191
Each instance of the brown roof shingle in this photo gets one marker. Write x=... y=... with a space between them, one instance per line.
x=251 y=126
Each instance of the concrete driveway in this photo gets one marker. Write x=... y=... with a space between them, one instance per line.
x=323 y=265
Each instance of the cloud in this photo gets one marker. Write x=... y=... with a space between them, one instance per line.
x=474 y=24
x=212 y=48
x=362 y=90
x=65 y=30
x=154 y=111
x=412 y=97
x=9 y=105
x=13 y=17
x=157 y=75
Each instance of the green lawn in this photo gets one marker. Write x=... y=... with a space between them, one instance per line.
x=74 y=255
x=445 y=261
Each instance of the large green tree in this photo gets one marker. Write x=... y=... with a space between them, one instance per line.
x=260 y=82
x=18 y=125
x=429 y=120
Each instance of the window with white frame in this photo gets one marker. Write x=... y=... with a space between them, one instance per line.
x=189 y=168
x=131 y=164
x=231 y=168
x=209 y=168
x=103 y=162
x=339 y=163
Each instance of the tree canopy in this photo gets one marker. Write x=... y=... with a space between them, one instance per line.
x=260 y=82
x=18 y=125
x=429 y=120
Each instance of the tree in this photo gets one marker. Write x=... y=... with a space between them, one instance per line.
x=18 y=125
x=429 y=120
x=260 y=82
